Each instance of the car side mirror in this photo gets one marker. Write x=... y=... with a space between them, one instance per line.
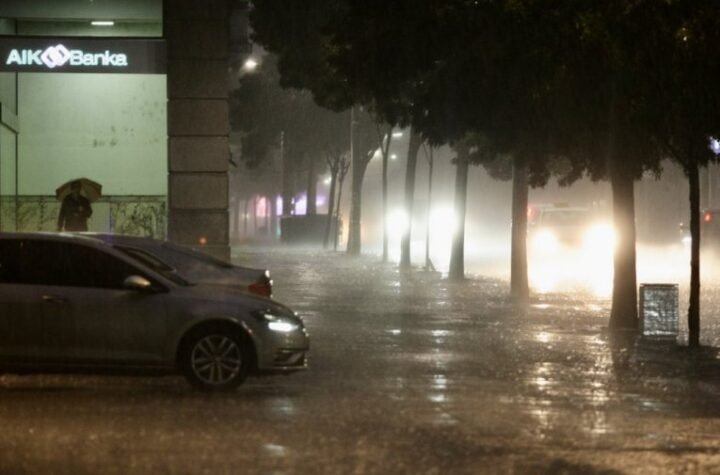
x=136 y=282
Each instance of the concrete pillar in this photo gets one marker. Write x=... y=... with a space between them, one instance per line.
x=196 y=32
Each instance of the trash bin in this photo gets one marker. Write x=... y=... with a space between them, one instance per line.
x=659 y=310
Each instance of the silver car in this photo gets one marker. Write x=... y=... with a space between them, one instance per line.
x=197 y=267
x=77 y=304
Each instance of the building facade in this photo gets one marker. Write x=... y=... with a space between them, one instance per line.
x=132 y=94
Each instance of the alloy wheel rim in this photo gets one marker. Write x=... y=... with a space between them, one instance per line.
x=216 y=359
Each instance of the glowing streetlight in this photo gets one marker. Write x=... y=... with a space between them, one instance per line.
x=251 y=64
x=715 y=145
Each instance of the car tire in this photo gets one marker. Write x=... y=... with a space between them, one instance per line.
x=214 y=358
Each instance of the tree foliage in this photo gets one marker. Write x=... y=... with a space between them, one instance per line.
x=569 y=88
x=266 y=114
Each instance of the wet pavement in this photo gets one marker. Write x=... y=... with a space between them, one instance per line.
x=409 y=374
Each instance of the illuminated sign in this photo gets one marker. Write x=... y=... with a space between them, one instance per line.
x=55 y=56
x=82 y=55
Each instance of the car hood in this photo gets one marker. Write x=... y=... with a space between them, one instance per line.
x=229 y=295
x=230 y=276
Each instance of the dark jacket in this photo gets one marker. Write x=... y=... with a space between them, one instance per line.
x=74 y=214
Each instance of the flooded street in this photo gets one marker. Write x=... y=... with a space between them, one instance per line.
x=408 y=374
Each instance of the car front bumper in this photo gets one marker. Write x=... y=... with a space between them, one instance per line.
x=284 y=352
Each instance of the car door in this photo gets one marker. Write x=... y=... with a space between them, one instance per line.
x=65 y=303
x=113 y=324
x=35 y=318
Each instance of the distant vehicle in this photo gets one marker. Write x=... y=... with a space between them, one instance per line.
x=561 y=227
x=194 y=266
x=71 y=303
x=709 y=228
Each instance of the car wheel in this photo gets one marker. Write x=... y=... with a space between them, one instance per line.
x=214 y=359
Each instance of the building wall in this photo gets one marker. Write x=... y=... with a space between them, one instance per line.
x=7 y=161
x=130 y=10
x=110 y=128
x=197 y=38
x=8 y=138
x=84 y=141
x=75 y=28
x=8 y=96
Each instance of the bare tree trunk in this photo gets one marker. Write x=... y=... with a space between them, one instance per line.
x=358 y=170
x=410 y=169
x=245 y=218
x=354 y=246
x=384 y=208
x=255 y=216
x=235 y=219
x=361 y=147
x=273 y=216
x=287 y=186
x=337 y=214
x=694 y=307
x=268 y=217
x=342 y=173
x=331 y=207
x=384 y=138
x=428 y=264
x=519 y=288
x=457 y=256
x=311 y=202
x=624 y=313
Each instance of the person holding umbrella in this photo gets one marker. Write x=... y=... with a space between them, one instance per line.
x=75 y=209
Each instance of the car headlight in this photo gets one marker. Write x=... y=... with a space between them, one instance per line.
x=283 y=327
x=279 y=323
x=545 y=240
x=600 y=237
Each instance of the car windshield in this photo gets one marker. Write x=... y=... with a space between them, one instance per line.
x=155 y=264
x=565 y=218
x=201 y=256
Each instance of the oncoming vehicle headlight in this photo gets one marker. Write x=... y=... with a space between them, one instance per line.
x=545 y=240
x=397 y=223
x=600 y=237
x=278 y=323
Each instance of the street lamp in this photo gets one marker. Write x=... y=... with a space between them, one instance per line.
x=250 y=64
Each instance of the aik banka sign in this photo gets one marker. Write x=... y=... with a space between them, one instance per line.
x=82 y=55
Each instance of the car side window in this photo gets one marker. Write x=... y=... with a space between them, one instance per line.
x=94 y=268
x=9 y=261
x=27 y=262
x=40 y=262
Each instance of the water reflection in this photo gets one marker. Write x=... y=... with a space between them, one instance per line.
x=275 y=450
x=595 y=423
x=590 y=391
x=396 y=387
x=542 y=376
x=439 y=381
x=544 y=337
x=282 y=406
x=439 y=336
x=440 y=397
x=542 y=419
